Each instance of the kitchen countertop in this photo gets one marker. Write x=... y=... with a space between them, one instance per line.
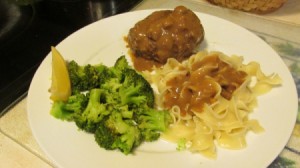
x=280 y=29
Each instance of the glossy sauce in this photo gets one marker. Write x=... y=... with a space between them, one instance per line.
x=142 y=64
x=191 y=91
x=166 y=34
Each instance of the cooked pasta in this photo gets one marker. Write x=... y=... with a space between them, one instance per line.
x=210 y=97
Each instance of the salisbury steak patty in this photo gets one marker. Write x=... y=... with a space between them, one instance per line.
x=166 y=34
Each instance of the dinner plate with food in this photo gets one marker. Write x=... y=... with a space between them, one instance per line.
x=162 y=88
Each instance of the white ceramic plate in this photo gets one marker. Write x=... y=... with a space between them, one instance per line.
x=102 y=41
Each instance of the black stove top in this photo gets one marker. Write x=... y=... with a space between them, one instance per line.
x=29 y=27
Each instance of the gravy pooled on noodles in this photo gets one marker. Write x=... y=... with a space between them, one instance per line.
x=210 y=96
x=199 y=86
x=164 y=34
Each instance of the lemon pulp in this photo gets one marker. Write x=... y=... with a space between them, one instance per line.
x=60 y=85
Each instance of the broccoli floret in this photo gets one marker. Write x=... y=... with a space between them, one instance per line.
x=111 y=85
x=105 y=74
x=136 y=89
x=128 y=86
x=116 y=123
x=150 y=135
x=126 y=113
x=131 y=95
x=105 y=137
x=128 y=141
x=65 y=110
x=86 y=77
x=93 y=113
x=76 y=102
x=58 y=111
x=117 y=133
x=181 y=144
x=152 y=122
x=120 y=65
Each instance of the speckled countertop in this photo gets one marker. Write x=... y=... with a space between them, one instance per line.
x=280 y=29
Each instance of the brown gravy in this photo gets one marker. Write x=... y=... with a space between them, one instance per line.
x=191 y=91
x=142 y=64
x=166 y=34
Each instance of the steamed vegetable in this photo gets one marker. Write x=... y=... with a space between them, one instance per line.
x=116 y=104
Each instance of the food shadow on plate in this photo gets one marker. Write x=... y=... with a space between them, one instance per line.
x=202 y=46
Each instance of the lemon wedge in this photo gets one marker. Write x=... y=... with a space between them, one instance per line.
x=60 y=86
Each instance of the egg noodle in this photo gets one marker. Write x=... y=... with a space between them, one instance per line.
x=219 y=119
